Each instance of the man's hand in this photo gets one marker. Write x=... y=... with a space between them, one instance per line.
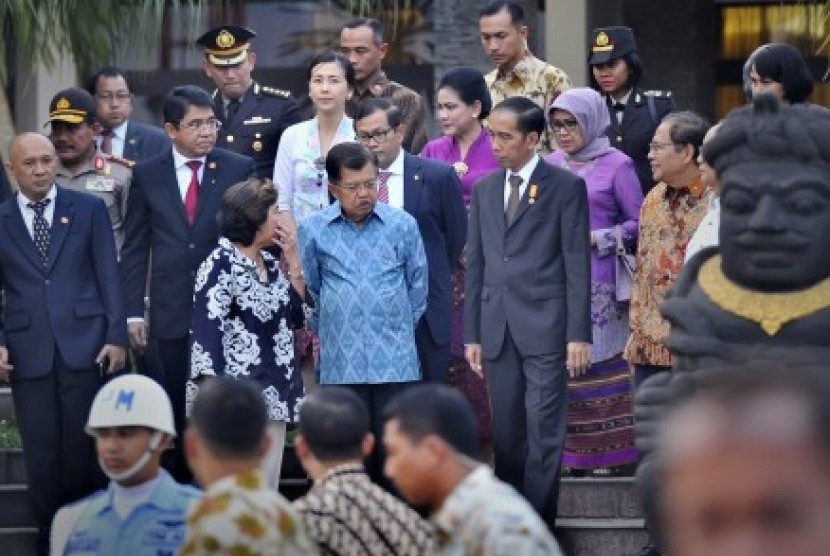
x=111 y=358
x=138 y=335
x=579 y=358
x=5 y=366
x=472 y=352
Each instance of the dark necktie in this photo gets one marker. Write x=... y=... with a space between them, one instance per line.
x=40 y=228
x=619 y=107
x=383 y=187
x=191 y=198
x=106 y=141
x=513 y=200
x=231 y=109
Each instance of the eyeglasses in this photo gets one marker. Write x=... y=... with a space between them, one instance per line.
x=655 y=146
x=121 y=96
x=370 y=185
x=379 y=136
x=212 y=124
x=567 y=125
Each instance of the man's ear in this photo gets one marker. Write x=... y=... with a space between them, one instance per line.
x=265 y=443
x=384 y=49
x=191 y=445
x=368 y=444
x=689 y=154
x=301 y=447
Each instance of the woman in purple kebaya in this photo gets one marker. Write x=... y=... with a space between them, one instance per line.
x=463 y=102
x=600 y=415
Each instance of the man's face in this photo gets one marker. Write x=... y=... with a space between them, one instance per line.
x=196 y=133
x=503 y=41
x=358 y=45
x=34 y=164
x=407 y=465
x=119 y=448
x=748 y=495
x=357 y=191
x=375 y=134
x=775 y=224
x=113 y=101
x=232 y=81
x=512 y=148
x=667 y=159
x=74 y=143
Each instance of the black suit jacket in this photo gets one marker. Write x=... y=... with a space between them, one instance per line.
x=75 y=301
x=432 y=195
x=156 y=224
x=5 y=186
x=534 y=276
x=257 y=127
x=143 y=141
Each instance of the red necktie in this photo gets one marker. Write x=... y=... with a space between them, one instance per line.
x=383 y=189
x=106 y=144
x=191 y=198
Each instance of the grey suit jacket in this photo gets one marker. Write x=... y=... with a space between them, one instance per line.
x=535 y=276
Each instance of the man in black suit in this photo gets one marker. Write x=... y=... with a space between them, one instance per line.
x=63 y=325
x=430 y=191
x=253 y=116
x=528 y=300
x=171 y=215
x=120 y=136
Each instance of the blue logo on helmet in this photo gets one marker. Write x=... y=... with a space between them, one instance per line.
x=125 y=398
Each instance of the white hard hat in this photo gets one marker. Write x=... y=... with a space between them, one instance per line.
x=131 y=400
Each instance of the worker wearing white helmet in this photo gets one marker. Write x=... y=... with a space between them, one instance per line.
x=143 y=510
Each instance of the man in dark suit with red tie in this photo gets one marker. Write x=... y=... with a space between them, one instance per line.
x=171 y=220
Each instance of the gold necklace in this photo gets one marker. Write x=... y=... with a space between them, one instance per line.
x=771 y=311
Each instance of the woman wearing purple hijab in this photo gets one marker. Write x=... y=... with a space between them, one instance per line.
x=600 y=414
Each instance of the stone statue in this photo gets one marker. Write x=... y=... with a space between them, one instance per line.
x=766 y=289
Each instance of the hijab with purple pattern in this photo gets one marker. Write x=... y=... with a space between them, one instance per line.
x=589 y=109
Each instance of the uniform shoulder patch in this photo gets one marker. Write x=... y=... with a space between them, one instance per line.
x=127 y=163
x=271 y=91
x=658 y=94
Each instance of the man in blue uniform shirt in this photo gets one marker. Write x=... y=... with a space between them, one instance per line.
x=143 y=510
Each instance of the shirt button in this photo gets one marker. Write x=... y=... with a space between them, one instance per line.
x=48 y=282
x=192 y=246
x=506 y=259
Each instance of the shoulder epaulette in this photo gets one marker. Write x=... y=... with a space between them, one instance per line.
x=271 y=91
x=658 y=94
x=122 y=161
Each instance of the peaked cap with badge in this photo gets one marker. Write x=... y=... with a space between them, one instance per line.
x=610 y=43
x=253 y=124
x=72 y=106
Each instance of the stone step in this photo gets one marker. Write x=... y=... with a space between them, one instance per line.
x=12 y=468
x=600 y=537
x=6 y=404
x=15 y=508
x=591 y=497
x=17 y=541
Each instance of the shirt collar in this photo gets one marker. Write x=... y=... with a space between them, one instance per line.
x=527 y=170
x=335 y=211
x=375 y=85
x=396 y=168
x=163 y=496
x=522 y=69
x=349 y=468
x=453 y=509
x=180 y=160
x=249 y=480
x=22 y=200
x=120 y=130
x=623 y=100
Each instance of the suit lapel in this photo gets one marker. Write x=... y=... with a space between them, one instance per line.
x=170 y=186
x=496 y=199
x=62 y=220
x=413 y=182
x=207 y=188
x=132 y=143
x=16 y=228
x=539 y=175
x=634 y=101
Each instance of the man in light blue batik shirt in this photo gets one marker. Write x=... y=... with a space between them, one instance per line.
x=366 y=271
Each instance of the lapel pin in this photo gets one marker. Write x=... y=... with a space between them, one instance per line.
x=212 y=165
x=534 y=191
x=64 y=220
x=416 y=177
x=132 y=141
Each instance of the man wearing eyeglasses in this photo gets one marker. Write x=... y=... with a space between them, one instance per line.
x=171 y=221
x=73 y=130
x=366 y=272
x=430 y=191
x=120 y=136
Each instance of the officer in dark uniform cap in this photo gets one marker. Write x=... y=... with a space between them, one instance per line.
x=616 y=70
x=253 y=116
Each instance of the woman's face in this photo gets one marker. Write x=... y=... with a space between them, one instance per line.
x=612 y=76
x=266 y=235
x=760 y=85
x=566 y=128
x=328 y=88
x=456 y=117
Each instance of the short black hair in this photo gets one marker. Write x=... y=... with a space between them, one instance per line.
x=106 y=71
x=353 y=156
x=375 y=25
x=394 y=116
x=179 y=99
x=635 y=67
x=687 y=128
x=515 y=9
x=244 y=208
x=334 y=421
x=332 y=57
x=784 y=64
x=468 y=83
x=229 y=415
x=436 y=409
x=529 y=117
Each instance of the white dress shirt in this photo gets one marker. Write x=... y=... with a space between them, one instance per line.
x=118 y=139
x=184 y=173
x=29 y=213
x=395 y=182
x=525 y=173
x=707 y=232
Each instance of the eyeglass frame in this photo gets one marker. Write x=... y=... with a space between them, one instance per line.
x=369 y=185
x=194 y=126
x=657 y=146
x=378 y=136
x=568 y=125
x=120 y=96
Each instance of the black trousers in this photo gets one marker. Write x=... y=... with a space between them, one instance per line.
x=60 y=458
x=434 y=357
x=173 y=357
x=529 y=399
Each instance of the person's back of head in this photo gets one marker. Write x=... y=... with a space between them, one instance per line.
x=227 y=430
x=334 y=427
